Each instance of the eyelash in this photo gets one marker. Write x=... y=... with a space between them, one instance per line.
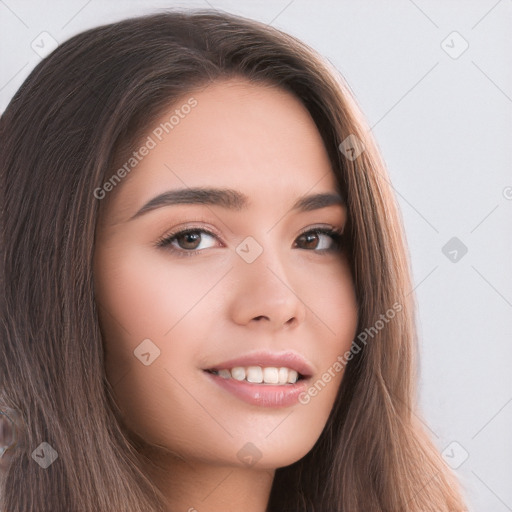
x=165 y=242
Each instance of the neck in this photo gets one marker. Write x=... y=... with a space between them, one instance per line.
x=200 y=486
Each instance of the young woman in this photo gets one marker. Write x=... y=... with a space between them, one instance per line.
x=207 y=297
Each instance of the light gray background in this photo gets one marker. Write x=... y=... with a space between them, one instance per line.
x=444 y=125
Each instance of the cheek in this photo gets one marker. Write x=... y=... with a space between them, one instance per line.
x=146 y=296
x=152 y=320
x=335 y=309
x=335 y=317
x=141 y=298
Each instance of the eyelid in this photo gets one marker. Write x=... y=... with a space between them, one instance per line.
x=320 y=227
x=190 y=226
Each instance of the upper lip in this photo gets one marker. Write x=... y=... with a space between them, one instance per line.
x=287 y=359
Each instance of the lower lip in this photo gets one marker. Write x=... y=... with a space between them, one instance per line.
x=264 y=395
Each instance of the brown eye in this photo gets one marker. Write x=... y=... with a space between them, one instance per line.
x=310 y=240
x=186 y=241
x=318 y=240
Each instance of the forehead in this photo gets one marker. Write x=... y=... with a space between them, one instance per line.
x=256 y=138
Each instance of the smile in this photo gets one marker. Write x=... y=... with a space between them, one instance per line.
x=259 y=375
x=262 y=394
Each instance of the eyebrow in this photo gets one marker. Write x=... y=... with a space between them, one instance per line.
x=231 y=199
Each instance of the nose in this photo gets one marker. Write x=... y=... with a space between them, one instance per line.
x=265 y=294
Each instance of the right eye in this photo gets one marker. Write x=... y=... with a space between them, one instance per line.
x=186 y=241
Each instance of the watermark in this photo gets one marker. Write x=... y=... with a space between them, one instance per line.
x=507 y=193
x=146 y=352
x=45 y=455
x=249 y=454
x=455 y=455
x=352 y=147
x=249 y=249
x=454 y=45
x=44 y=44
x=342 y=360
x=454 y=249
x=152 y=140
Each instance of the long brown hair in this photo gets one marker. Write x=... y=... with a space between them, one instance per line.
x=61 y=135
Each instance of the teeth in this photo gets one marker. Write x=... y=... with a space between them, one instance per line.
x=292 y=376
x=271 y=375
x=237 y=373
x=258 y=375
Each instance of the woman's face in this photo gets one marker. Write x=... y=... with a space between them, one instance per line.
x=245 y=282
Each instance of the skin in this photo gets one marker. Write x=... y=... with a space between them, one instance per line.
x=213 y=306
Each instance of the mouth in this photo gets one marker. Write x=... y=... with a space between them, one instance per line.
x=261 y=394
x=264 y=367
x=264 y=379
x=266 y=376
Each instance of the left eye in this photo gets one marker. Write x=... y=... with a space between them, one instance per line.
x=187 y=242
x=315 y=236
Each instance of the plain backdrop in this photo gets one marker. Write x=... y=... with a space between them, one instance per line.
x=434 y=79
